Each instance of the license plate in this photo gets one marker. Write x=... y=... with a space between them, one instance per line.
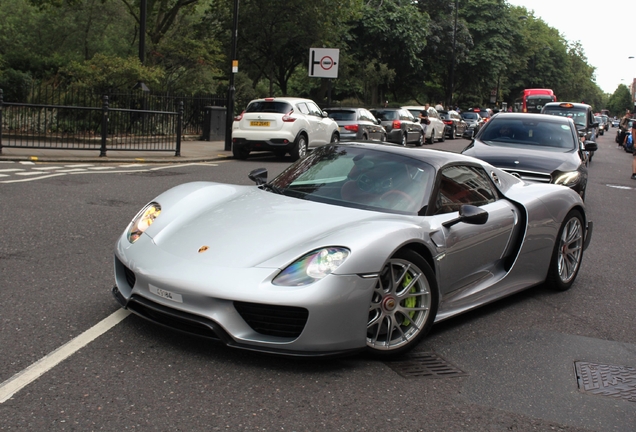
x=259 y=123
x=166 y=294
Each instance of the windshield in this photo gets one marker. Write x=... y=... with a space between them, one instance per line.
x=269 y=107
x=578 y=115
x=342 y=115
x=470 y=116
x=385 y=114
x=359 y=177
x=504 y=132
x=535 y=103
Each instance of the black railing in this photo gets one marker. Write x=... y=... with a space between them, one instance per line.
x=79 y=120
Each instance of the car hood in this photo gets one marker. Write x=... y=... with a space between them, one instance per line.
x=243 y=226
x=524 y=159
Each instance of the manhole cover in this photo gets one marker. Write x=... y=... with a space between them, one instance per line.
x=607 y=380
x=428 y=365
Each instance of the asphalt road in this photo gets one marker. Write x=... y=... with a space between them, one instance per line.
x=515 y=359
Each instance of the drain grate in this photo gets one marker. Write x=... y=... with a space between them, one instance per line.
x=606 y=380
x=428 y=365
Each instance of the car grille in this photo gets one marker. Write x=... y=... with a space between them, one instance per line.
x=272 y=320
x=178 y=320
x=530 y=176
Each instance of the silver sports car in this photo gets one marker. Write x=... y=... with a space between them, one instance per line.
x=357 y=246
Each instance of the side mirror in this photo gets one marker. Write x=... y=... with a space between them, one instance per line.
x=469 y=214
x=324 y=114
x=590 y=146
x=258 y=176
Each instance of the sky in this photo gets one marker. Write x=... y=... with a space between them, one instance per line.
x=604 y=29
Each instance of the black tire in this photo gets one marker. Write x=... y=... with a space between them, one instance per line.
x=383 y=138
x=567 y=253
x=442 y=138
x=365 y=138
x=240 y=152
x=431 y=140
x=280 y=153
x=420 y=142
x=403 y=306
x=591 y=156
x=335 y=137
x=299 y=150
x=404 y=140
x=452 y=134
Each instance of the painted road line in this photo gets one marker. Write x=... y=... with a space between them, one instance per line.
x=28 y=163
x=71 y=170
x=20 y=380
x=619 y=187
x=11 y=169
x=30 y=173
x=47 y=168
x=101 y=168
x=78 y=165
x=32 y=178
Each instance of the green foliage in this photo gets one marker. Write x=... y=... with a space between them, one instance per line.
x=106 y=72
x=620 y=101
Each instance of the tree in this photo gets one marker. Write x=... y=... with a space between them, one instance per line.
x=620 y=101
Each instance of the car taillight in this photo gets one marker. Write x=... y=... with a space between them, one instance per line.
x=239 y=117
x=352 y=128
x=448 y=122
x=288 y=118
x=397 y=124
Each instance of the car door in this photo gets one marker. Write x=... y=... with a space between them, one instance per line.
x=436 y=123
x=470 y=253
x=413 y=129
x=371 y=124
x=319 y=127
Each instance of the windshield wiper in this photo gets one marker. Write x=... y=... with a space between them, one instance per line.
x=272 y=188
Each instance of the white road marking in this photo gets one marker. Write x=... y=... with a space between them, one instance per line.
x=32 y=178
x=20 y=380
x=4 y=175
x=71 y=170
x=619 y=187
x=101 y=168
x=11 y=169
x=27 y=163
x=30 y=173
x=47 y=168
x=78 y=165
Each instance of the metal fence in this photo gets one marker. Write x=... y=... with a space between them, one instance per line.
x=80 y=120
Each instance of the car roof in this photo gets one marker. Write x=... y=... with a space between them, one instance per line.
x=562 y=105
x=436 y=158
x=530 y=116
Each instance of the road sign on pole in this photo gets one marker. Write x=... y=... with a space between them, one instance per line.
x=323 y=62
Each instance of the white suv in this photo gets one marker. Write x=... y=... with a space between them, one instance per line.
x=282 y=125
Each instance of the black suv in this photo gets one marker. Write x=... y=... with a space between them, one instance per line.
x=455 y=124
x=582 y=115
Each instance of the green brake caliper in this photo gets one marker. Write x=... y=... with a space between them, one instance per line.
x=411 y=301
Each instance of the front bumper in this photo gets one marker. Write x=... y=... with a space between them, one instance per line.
x=236 y=306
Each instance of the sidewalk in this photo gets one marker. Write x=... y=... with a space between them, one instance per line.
x=191 y=151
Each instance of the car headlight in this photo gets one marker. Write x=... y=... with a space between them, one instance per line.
x=312 y=267
x=568 y=179
x=142 y=221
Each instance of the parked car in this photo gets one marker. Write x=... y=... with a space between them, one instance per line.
x=474 y=122
x=627 y=134
x=580 y=113
x=436 y=130
x=357 y=124
x=358 y=246
x=400 y=125
x=484 y=113
x=282 y=125
x=454 y=123
x=535 y=148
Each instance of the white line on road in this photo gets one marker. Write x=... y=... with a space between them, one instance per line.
x=619 y=187
x=32 y=178
x=11 y=169
x=30 y=173
x=20 y=380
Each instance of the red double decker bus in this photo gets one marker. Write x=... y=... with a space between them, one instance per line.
x=534 y=99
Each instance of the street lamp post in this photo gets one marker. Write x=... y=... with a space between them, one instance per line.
x=452 y=70
x=229 y=115
x=142 y=42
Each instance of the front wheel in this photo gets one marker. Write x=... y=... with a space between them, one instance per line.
x=420 y=142
x=299 y=150
x=403 y=306
x=567 y=253
x=442 y=138
x=431 y=140
x=335 y=137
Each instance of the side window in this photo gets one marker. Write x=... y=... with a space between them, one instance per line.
x=302 y=107
x=313 y=109
x=463 y=185
x=364 y=115
x=432 y=112
x=405 y=115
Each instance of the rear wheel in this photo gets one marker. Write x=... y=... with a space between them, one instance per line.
x=299 y=150
x=404 y=140
x=420 y=142
x=240 y=152
x=431 y=140
x=403 y=306
x=442 y=138
x=567 y=253
x=335 y=137
x=452 y=134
